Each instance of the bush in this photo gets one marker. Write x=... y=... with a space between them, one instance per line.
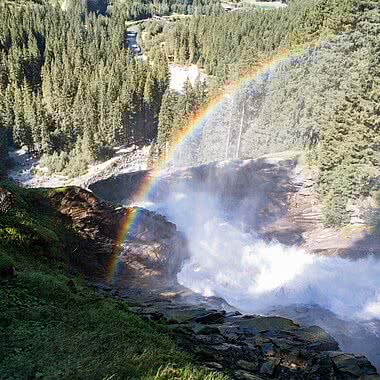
x=7 y=266
x=56 y=162
x=334 y=210
x=104 y=153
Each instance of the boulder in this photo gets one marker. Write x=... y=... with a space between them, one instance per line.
x=152 y=254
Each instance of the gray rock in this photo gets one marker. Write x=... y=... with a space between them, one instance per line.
x=269 y=367
x=247 y=366
x=243 y=375
x=206 y=330
x=213 y=365
x=214 y=317
x=352 y=365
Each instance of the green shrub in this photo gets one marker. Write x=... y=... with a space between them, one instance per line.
x=334 y=210
x=104 y=153
x=55 y=162
x=7 y=266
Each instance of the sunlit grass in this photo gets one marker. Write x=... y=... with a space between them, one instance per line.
x=53 y=327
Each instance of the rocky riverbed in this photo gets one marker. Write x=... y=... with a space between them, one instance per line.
x=245 y=346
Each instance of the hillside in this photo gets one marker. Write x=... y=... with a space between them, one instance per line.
x=220 y=227
x=55 y=326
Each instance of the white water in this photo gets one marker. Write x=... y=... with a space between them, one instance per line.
x=228 y=259
x=256 y=276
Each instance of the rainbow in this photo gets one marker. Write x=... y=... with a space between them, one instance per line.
x=131 y=218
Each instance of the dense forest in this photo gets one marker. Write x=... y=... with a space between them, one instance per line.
x=71 y=91
x=227 y=45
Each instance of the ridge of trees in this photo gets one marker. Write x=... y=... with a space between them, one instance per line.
x=71 y=91
x=225 y=45
x=69 y=86
x=325 y=100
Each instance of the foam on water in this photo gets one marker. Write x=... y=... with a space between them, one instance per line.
x=255 y=275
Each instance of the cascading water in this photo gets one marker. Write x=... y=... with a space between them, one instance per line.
x=256 y=275
x=229 y=257
x=229 y=260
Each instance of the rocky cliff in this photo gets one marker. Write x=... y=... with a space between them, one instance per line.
x=278 y=195
x=154 y=252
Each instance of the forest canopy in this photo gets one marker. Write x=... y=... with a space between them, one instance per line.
x=71 y=91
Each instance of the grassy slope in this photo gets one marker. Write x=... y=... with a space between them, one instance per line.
x=53 y=327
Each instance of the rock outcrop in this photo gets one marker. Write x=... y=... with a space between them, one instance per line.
x=154 y=252
x=249 y=346
x=274 y=196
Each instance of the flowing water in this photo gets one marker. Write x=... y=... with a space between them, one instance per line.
x=228 y=256
x=229 y=259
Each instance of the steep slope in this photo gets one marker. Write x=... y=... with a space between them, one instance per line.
x=54 y=326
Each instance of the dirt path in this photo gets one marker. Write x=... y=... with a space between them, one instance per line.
x=28 y=172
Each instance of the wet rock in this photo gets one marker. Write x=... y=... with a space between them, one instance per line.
x=233 y=314
x=247 y=366
x=147 y=312
x=214 y=365
x=268 y=349
x=214 y=317
x=153 y=254
x=212 y=340
x=352 y=365
x=206 y=330
x=230 y=333
x=243 y=375
x=269 y=367
x=318 y=338
x=259 y=324
x=291 y=353
x=183 y=314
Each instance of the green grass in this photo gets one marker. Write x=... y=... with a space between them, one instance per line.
x=52 y=331
x=53 y=327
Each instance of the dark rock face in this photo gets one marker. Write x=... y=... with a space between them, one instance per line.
x=119 y=187
x=153 y=254
x=274 y=196
x=154 y=251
